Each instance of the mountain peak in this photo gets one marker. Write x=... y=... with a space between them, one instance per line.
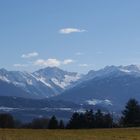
x=57 y=76
x=132 y=68
x=3 y=70
x=49 y=69
x=53 y=72
x=114 y=71
x=126 y=69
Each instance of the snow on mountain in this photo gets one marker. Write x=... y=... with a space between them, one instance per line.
x=114 y=70
x=58 y=77
x=112 y=85
x=67 y=81
x=52 y=81
x=131 y=68
x=43 y=83
x=26 y=81
x=97 y=101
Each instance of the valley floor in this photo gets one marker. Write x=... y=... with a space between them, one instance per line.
x=95 y=134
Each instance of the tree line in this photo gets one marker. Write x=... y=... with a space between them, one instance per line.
x=87 y=120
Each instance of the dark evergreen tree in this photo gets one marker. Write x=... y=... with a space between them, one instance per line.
x=61 y=125
x=89 y=119
x=75 y=121
x=131 y=114
x=53 y=123
x=39 y=123
x=6 y=121
x=108 y=121
x=99 y=119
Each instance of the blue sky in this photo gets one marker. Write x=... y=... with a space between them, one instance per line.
x=75 y=35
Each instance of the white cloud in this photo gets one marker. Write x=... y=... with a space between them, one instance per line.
x=83 y=65
x=29 y=55
x=20 y=65
x=47 y=63
x=71 y=30
x=67 y=61
x=52 y=62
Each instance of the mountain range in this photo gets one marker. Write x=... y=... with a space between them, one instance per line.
x=110 y=87
x=43 y=83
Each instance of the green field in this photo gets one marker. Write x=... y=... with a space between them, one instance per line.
x=96 y=134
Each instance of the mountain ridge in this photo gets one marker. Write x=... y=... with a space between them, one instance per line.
x=113 y=84
x=43 y=83
x=109 y=87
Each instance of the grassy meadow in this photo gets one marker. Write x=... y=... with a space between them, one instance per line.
x=95 y=134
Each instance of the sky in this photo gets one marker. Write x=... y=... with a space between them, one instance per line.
x=75 y=35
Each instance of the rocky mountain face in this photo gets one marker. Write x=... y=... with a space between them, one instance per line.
x=43 y=83
x=112 y=86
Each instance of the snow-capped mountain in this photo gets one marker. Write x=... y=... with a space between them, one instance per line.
x=57 y=77
x=8 y=89
x=111 y=85
x=114 y=84
x=43 y=83
x=115 y=71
